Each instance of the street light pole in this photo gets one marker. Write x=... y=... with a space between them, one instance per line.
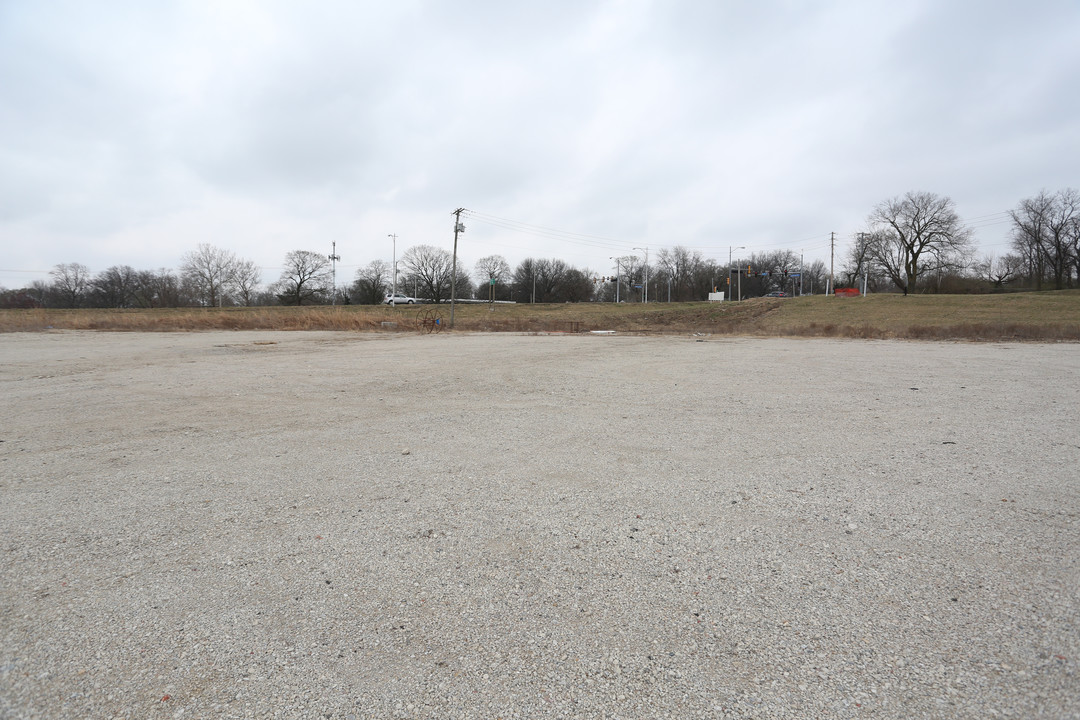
x=393 y=291
x=618 y=276
x=645 y=288
x=741 y=247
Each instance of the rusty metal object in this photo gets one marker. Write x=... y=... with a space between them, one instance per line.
x=429 y=320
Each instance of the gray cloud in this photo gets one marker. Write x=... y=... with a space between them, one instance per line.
x=133 y=131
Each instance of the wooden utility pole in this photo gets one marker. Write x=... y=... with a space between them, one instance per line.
x=458 y=228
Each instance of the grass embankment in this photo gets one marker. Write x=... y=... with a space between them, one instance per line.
x=1053 y=316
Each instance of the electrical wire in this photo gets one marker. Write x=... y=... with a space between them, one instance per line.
x=597 y=241
x=611 y=244
x=820 y=241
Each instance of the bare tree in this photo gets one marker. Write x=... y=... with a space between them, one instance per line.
x=465 y=287
x=492 y=267
x=523 y=280
x=371 y=284
x=1074 y=234
x=814 y=277
x=919 y=231
x=40 y=291
x=541 y=278
x=551 y=281
x=999 y=271
x=631 y=271
x=207 y=271
x=306 y=279
x=1029 y=233
x=430 y=269
x=771 y=271
x=244 y=282
x=1046 y=230
x=114 y=287
x=858 y=260
x=681 y=265
x=627 y=268
x=145 y=294
x=70 y=285
x=493 y=277
x=861 y=264
x=158 y=289
x=19 y=299
x=576 y=286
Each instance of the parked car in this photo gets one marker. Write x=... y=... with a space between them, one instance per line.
x=777 y=294
x=399 y=299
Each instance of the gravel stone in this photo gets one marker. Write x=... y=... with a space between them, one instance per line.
x=332 y=525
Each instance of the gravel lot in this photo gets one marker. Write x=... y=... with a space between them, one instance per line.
x=330 y=525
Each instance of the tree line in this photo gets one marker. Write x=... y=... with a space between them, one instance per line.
x=913 y=243
x=917 y=242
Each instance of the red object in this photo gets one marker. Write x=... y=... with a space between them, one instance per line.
x=846 y=292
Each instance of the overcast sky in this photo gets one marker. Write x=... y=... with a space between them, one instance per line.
x=132 y=131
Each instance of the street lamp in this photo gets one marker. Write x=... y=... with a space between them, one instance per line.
x=741 y=247
x=393 y=291
x=618 y=276
x=645 y=294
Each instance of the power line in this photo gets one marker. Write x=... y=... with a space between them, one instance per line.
x=541 y=231
x=607 y=243
x=494 y=219
x=820 y=241
x=979 y=226
x=1007 y=213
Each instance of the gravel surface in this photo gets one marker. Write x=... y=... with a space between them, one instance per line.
x=329 y=525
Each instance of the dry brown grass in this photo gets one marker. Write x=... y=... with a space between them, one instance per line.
x=1046 y=316
x=189 y=319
